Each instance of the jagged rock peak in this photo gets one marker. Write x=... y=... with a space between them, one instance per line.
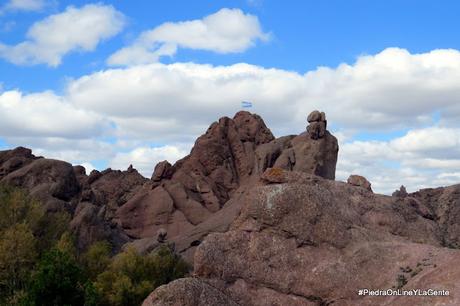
x=251 y=127
x=401 y=193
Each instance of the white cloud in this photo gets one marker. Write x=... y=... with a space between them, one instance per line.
x=75 y=29
x=226 y=31
x=177 y=102
x=144 y=159
x=24 y=5
x=88 y=167
x=46 y=115
x=427 y=157
x=387 y=91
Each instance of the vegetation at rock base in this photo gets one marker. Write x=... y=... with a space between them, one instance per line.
x=130 y=277
x=40 y=264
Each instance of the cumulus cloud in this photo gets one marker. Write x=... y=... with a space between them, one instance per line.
x=46 y=115
x=75 y=29
x=226 y=31
x=177 y=102
x=387 y=91
x=426 y=157
x=145 y=158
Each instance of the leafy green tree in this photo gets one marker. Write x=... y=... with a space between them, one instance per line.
x=58 y=281
x=131 y=277
x=92 y=297
x=17 y=258
x=96 y=259
x=51 y=227
x=17 y=207
x=66 y=244
x=167 y=266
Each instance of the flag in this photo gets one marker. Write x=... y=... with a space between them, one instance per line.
x=246 y=104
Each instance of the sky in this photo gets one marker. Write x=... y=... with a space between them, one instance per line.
x=114 y=83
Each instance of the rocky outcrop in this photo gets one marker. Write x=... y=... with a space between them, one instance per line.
x=303 y=240
x=224 y=162
x=52 y=181
x=91 y=200
x=314 y=151
x=262 y=219
x=163 y=170
x=442 y=205
x=359 y=181
x=317 y=125
x=188 y=292
x=401 y=193
x=12 y=160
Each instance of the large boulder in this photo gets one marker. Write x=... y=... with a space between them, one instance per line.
x=188 y=292
x=359 y=181
x=303 y=240
x=11 y=160
x=51 y=181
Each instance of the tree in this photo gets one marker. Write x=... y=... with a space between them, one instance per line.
x=131 y=277
x=17 y=207
x=167 y=266
x=66 y=244
x=17 y=257
x=96 y=259
x=58 y=281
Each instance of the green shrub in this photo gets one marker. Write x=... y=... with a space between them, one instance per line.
x=131 y=277
x=58 y=281
x=96 y=259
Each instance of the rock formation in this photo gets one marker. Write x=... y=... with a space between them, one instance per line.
x=360 y=181
x=91 y=200
x=304 y=240
x=317 y=125
x=314 y=151
x=261 y=218
x=227 y=159
x=402 y=192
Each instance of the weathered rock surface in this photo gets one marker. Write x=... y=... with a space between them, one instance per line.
x=227 y=159
x=401 y=193
x=261 y=218
x=188 y=292
x=314 y=151
x=442 y=205
x=52 y=181
x=304 y=240
x=91 y=200
x=359 y=181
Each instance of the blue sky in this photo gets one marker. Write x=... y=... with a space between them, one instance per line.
x=141 y=81
x=306 y=34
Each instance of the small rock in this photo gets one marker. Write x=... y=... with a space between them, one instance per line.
x=314 y=116
x=163 y=170
x=401 y=193
x=360 y=181
x=161 y=235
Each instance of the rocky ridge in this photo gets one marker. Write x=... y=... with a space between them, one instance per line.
x=261 y=219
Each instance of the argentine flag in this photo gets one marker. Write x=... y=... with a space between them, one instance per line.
x=246 y=104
